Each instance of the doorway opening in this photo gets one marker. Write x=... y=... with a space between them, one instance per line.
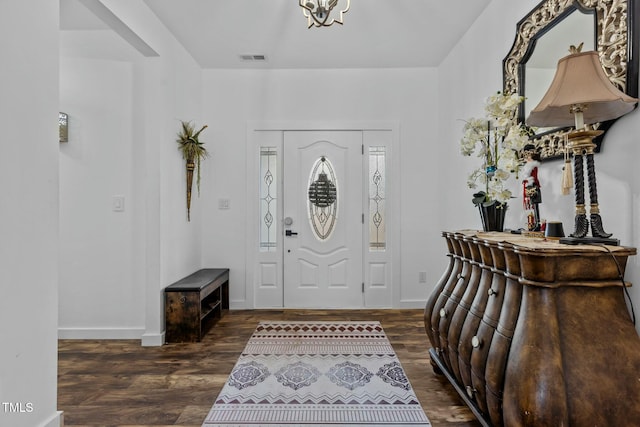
x=324 y=210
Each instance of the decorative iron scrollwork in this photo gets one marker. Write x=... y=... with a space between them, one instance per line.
x=322 y=192
x=322 y=195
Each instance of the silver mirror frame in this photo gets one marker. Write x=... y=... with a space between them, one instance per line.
x=616 y=29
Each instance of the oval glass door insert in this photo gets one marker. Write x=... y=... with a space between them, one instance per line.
x=323 y=198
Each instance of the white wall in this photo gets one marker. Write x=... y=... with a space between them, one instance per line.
x=28 y=212
x=96 y=263
x=463 y=90
x=235 y=97
x=125 y=110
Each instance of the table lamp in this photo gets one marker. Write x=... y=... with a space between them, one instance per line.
x=581 y=93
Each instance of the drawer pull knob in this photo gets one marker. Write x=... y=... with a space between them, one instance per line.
x=443 y=313
x=471 y=391
x=476 y=342
x=492 y=291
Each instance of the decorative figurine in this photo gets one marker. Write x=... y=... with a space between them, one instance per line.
x=531 y=195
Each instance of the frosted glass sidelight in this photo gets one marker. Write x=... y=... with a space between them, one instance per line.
x=377 y=199
x=268 y=199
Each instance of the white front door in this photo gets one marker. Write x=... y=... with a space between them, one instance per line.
x=323 y=219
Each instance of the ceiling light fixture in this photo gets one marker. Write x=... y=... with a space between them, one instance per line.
x=317 y=11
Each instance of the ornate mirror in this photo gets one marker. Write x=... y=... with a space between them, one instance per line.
x=544 y=36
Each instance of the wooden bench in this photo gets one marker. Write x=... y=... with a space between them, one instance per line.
x=193 y=304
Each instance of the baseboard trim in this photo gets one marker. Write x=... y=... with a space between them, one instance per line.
x=411 y=304
x=152 y=340
x=57 y=420
x=100 y=333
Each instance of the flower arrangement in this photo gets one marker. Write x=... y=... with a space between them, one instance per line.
x=498 y=139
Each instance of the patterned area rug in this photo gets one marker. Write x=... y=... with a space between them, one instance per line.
x=317 y=373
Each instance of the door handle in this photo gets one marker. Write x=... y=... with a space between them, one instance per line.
x=290 y=233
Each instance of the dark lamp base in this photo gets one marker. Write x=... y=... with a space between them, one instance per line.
x=590 y=241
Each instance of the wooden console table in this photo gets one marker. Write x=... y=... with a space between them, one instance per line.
x=536 y=333
x=192 y=304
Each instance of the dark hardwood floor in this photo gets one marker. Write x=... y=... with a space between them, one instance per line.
x=118 y=382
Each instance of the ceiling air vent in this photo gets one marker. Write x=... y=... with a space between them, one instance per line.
x=253 y=58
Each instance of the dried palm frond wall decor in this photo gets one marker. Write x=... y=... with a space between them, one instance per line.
x=193 y=151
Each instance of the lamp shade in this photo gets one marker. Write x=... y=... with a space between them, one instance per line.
x=580 y=81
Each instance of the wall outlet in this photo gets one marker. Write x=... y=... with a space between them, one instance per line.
x=117 y=203
x=224 y=203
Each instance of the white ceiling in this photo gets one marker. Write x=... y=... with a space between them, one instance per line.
x=375 y=34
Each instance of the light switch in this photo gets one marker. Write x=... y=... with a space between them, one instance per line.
x=117 y=203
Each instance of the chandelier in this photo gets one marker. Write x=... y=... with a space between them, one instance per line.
x=317 y=11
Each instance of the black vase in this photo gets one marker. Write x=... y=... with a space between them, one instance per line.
x=492 y=215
